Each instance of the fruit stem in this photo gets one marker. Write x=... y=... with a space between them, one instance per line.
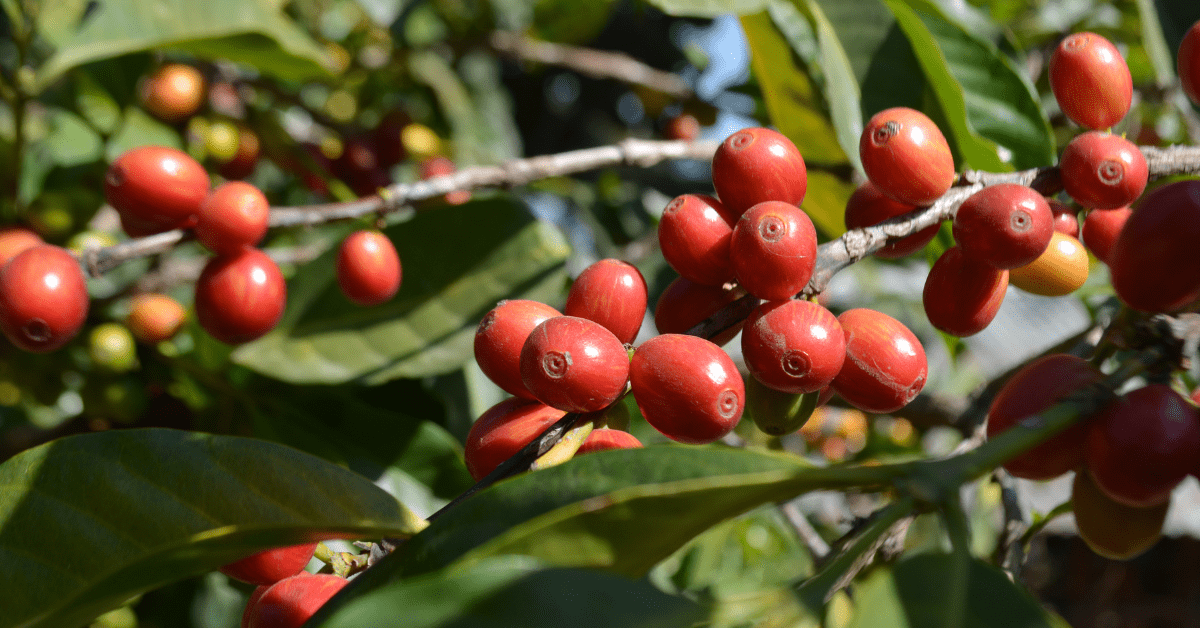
x=566 y=447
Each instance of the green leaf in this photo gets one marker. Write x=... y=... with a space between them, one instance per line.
x=842 y=95
x=708 y=8
x=71 y=141
x=913 y=595
x=88 y=521
x=475 y=103
x=511 y=591
x=825 y=202
x=458 y=262
x=1160 y=56
x=139 y=129
x=253 y=32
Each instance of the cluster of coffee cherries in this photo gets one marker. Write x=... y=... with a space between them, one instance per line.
x=286 y=595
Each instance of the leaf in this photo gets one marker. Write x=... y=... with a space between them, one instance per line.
x=475 y=104
x=139 y=129
x=71 y=141
x=458 y=262
x=253 y=32
x=825 y=202
x=511 y=591
x=913 y=594
x=88 y=521
x=708 y=8
x=1155 y=44
x=841 y=90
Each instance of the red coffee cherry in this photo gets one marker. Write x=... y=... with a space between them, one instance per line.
x=501 y=335
x=245 y=159
x=574 y=364
x=1036 y=387
x=885 y=364
x=684 y=126
x=685 y=304
x=603 y=439
x=503 y=430
x=359 y=168
x=612 y=293
x=962 y=295
x=1153 y=262
x=385 y=138
x=1090 y=80
x=291 y=601
x=694 y=235
x=368 y=268
x=1006 y=225
x=906 y=156
x=773 y=250
x=439 y=166
x=1142 y=445
x=1188 y=63
x=14 y=240
x=756 y=165
x=1101 y=228
x=156 y=188
x=1112 y=529
x=43 y=298
x=1059 y=271
x=868 y=207
x=687 y=388
x=174 y=92
x=1065 y=219
x=793 y=346
x=240 y=297
x=233 y=216
x=1102 y=171
x=154 y=318
x=271 y=566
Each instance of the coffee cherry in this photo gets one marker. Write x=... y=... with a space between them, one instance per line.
x=43 y=298
x=233 y=216
x=612 y=293
x=1153 y=263
x=271 y=566
x=155 y=189
x=291 y=601
x=1006 y=225
x=385 y=138
x=603 y=439
x=154 y=318
x=359 y=168
x=962 y=295
x=885 y=364
x=439 y=166
x=1034 y=388
x=1112 y=529
x=368 y=268
x=906 y=156
x=773 y=250
x=240 y=297
x=14 y=240
x=694 y=235
x=1065 y=219
x=503 y=430
x=501 y=335
x=1101 y=228
x=685 y=304
x=1188 y=63
x=1059 y=271
x=221 y=140
x=756 y=165
x=174 y=92
x=1142 y=445
x=868 y=207
x=778 y=413
x=684 y=126
x=245 y=159
x=687 y=388
x=1090 y=80
x=111 y=348
x=793 y=346
x=574 y=364
x=1102 y=171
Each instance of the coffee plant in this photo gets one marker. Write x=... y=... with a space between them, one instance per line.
x=345 y=313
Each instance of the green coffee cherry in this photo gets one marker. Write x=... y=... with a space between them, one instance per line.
x=778 y=413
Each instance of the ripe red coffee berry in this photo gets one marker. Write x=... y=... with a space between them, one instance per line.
x=271 y=566
x=1153 y=264
x=503 y=430
x=43 y=298
x=154 y=318
x=1142 y=445
x=1006 y=225
x=773 y=250
x=684 y=126
x=368 y=268
x=687 y=388
x=793 y=346
x=612 y=293
x=1090 y=80
x=756 y=165
x=501 y=335
x=962 y=295
x=439 y=166
x=694 y=235
x=906 y=156
x=291 y=601
x=240 y=297
x=1038 y=386
x=14 y=240
x=1101 y=228
x=156 y=188
x=233 y=216
x=868 y=207
x=603 y=439
x=1188 y=63
x=1102 y=171
x=574 y=364
x=1066 y=221
x=685 y=304
x=885 y=364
